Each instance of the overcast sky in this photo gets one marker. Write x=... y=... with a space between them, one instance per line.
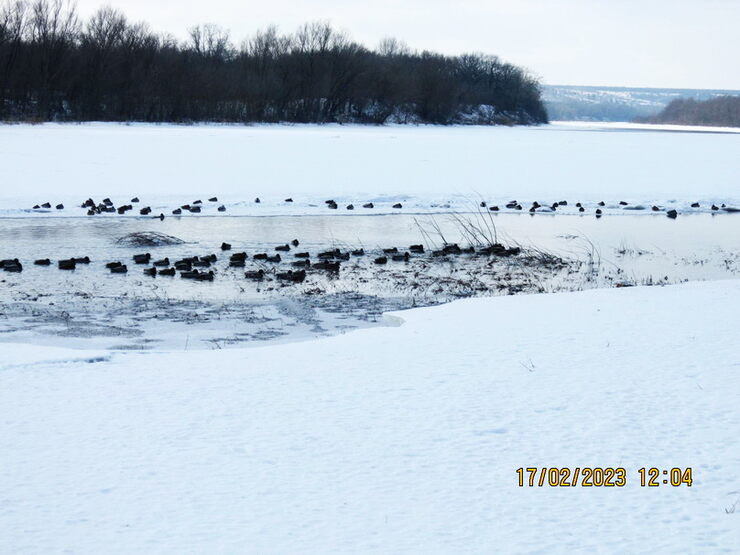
x=633 y=43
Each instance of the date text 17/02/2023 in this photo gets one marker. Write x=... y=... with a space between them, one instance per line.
x=602 y=477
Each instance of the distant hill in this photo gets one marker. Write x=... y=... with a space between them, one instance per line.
x=721 y=111
x=564 y=102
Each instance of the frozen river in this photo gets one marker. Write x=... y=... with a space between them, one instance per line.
x=437 y=174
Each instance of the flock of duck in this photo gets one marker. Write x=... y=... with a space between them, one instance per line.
x=201 y=268
x=598 y=211
x=196 y=207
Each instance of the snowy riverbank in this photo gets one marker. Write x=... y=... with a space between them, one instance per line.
x=390 y=439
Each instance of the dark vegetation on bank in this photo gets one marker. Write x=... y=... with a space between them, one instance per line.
x=723 y=111
x=55 y=67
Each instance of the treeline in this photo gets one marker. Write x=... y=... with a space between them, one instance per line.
x=55 y=67
x=722 y=111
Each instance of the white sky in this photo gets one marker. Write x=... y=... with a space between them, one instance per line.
x=633 y=43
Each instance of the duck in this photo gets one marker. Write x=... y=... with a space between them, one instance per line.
x=202 y=263
x=260 y=256
x=452 y=249
x=13 y=266
x=142 y=258
x=656 y=208
x=197 y=202
x=581 y=209
x=183 y=265
x=283 y=248
x=59 y=206
x=177 y=211
x=46 y=205
x=68 y=264
x=120 y=269
x=82 y=260
x=398 y=205
x=715 y=207
x=598 y=211
x=401 y=257
x=602 y=203
x=483 y=204
x=42 y=262
x=332 y=206
x=237 y=263
x=417 y=249
x=493 y=208
x=368 y=205
x=563 y=203
x=695 y=205
x=301 y=255
x=238 y=256
x=160 y=263
x=167 y=272
x=257 y=275
x=110 y=265
x=195 y=209
x=381 y=260
x=623 y=203
x=152 y=272
x=391 y=250
x=205 y=276
x=226 y=247
x=290 y=275
x=221 y=208
x=295 y=242
x=328 y=255
x=672 y=214
x=135 y=200
x=511 y=204
x=350 y=207
x=327 y=266
x=213 y=199
x=288 y=199
x=107 y=201
x=358 y=252
x=257 y=200
x=274 y=259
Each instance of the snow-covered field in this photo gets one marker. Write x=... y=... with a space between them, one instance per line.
x=168 y=165
x=402 y=437
x=392 y=439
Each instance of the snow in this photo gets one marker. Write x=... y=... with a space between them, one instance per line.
x=421 y=166
x=403 y=438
